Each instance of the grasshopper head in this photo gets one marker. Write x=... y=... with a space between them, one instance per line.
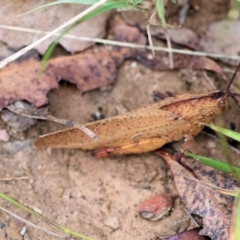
x=221 y=97
x=219 y=102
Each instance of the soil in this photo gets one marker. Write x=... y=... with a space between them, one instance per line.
x=100 y=197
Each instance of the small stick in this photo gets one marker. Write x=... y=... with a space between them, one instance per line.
x=169 y=45
x=209 y=80
x=191 y=217
x=69 y=123
x=149 y=33
x=14 y=178
x=130 y=45
x=32 y=224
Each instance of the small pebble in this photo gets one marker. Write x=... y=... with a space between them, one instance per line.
x=2 y=225
x=134 y=64
x=16 y=121
x=112 y=222
x=4 y=135
x=16 y=146
x=23 y=230
x=156 y=207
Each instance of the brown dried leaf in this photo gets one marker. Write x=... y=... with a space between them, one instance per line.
x=125 y=33
x=187 y=235
x=23 y=81
x=47 y=19
x=88 y=70
x=222 y=37
x=161 y=62
x=209 y=204
x=182 y=36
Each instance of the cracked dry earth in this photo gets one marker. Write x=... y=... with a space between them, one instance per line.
x=98 y=197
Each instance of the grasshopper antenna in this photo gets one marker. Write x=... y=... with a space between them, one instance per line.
x=231 y=81
x=233 y=95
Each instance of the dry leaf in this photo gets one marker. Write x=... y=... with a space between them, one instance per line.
x=182 y=36
x=125 y=33
x=161 y=62
x=222 y=37
x=88 y=70
x=23 y=81
x=47 y=19
x=209 y=204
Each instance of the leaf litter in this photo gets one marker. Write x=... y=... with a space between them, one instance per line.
x=88 y=70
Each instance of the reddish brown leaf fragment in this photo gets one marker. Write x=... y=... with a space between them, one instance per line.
x=22 y=81
x=216 y=178
x=200 y=200
x=156 y=207
x=125 y=33
x=182 y=36
x=161 y=62
x=88 y=70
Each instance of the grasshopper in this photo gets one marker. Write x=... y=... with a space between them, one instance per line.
x=148 y=128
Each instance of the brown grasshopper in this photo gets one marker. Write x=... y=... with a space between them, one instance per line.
x=147 y=128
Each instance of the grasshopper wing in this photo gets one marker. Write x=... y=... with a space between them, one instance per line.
x=135 y=125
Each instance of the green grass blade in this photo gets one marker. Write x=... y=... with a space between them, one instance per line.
x=28 y=210
x=160 y=11
x=226 y=132
x=235 y=225
x=223 y=133
x=89 y=2
x=82 y=2
x=135 y=2
x=221 y=166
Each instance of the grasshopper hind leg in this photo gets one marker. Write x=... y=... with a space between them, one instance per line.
x=134 y=147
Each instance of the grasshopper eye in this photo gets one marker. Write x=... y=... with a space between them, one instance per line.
x=217 y=95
